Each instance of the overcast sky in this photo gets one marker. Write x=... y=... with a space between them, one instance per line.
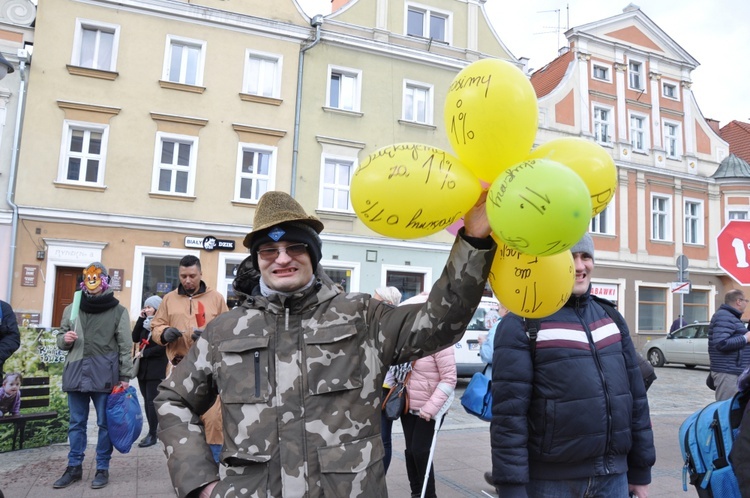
x=715 y=33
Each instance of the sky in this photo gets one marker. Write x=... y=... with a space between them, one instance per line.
x=714 y=33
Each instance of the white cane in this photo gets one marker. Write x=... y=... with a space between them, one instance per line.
x=438 y=423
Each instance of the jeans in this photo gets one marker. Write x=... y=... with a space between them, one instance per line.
x=78 y=403
x=610 y=486
x=215 y=451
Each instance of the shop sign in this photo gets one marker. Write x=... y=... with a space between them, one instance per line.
x=116 y=276
x=209 y=243
x=29 y=275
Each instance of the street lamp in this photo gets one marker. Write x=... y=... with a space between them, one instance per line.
x=5 y=67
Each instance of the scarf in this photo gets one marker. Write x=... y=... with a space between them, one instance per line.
x=267 y=291
x=97 y=304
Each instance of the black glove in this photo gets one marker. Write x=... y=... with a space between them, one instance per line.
x=170 y=334
x=196 y=334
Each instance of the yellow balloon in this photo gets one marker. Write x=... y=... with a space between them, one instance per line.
x=491 y=116
x=532 y=286
x=412 y=190
x=539 y=207
x=590 y=160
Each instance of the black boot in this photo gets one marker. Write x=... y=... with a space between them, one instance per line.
x=101 y=479
x=147 y=441
x=71 y=475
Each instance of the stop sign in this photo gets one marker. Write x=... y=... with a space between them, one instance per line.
x=733 y=250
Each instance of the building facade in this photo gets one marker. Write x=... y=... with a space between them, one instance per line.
x=625 y=84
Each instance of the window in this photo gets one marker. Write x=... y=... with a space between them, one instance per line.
x=427 y=23
x=343 y=89
x=600 y=72
x=95 y=45
x=652 y=309
x=184 y=61
x=604 y=222
x=344 y=273
x=255 y=167
x=335 y=184
x=602 y=124
x=693 y=222
x=262 y=75
x=418 y=103
x=661 y=228
x=638 y=132
x=228 y=267
x=83 y=153
x=738 y=214
x=695 y=306
x=635 y=75
x=669 y=90
x=672 y=140
x=174 y=169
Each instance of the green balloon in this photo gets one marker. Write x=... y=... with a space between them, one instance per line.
x=539 y=207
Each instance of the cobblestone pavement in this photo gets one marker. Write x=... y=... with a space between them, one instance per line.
x=462 y=455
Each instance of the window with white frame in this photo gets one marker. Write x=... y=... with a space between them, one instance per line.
x=669 y=90
x=695 y=305
x=604 y=222
x=417 y=102
x=638 y=132
x=652 y=309
x=83 y=153
x=345 y=273
x=95 y=45
x=344 y=88
x=427 y=23
x=661 y=216
x=738 y=213
x=184 y=60
x=336 y=179
x=174 y=164
x=600 y=72
x=602 y=124
x=228 y=267
x=262 y=74
x=693 y=221
x=635 y=75
x=672 y=140
x=255 y=172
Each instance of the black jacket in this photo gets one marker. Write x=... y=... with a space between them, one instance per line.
x=10 y=337
x=577 y=409
x=153 y=365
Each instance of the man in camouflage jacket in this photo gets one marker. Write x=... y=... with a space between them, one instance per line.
x=299 y=366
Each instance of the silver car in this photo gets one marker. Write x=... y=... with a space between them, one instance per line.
x=688 y=345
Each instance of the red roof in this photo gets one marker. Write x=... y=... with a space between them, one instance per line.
x=737 y=135
x=547 y=78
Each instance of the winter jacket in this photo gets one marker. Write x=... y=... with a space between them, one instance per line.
x=179 y=310
x=728 y=351
x=300 y=379
x=432 y=380
x=100 y=356
x=574 y=410
x=10 y=337
x=153 y=364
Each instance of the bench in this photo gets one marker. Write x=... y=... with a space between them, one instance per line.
x=34 y=394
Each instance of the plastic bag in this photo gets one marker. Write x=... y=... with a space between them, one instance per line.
x=124 y=418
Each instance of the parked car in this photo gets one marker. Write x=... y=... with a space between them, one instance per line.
x=688 y=345
x=468 y=361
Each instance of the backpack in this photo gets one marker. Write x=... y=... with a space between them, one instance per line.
x=706 y=439
x=647 y=370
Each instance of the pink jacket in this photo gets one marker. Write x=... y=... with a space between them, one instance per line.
x=432 y=380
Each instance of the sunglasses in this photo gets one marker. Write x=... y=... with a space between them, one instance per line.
x=271 y=253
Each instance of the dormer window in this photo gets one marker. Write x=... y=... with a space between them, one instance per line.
x=427 y=23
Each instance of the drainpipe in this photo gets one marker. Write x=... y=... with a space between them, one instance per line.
x=316 y=22
x=23 y=57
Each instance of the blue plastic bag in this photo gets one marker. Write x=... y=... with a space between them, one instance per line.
x=124 y=418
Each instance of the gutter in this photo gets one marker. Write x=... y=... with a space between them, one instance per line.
x=316 y=22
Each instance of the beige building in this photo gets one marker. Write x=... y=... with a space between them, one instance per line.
x=625 y=84
x=153 y=126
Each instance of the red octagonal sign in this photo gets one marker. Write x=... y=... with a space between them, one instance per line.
x=733 y=249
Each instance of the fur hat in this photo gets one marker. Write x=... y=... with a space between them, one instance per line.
x=275 y=208
x=585 y=245
x=153 y=301
x=290 y=232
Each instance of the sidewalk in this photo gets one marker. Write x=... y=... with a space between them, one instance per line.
x=461 y=458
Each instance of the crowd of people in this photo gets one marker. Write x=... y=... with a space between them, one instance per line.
x=282 y=394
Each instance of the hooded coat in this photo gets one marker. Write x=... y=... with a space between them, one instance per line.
x=300 y=379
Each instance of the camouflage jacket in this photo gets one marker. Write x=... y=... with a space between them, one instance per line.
x=301 y=382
